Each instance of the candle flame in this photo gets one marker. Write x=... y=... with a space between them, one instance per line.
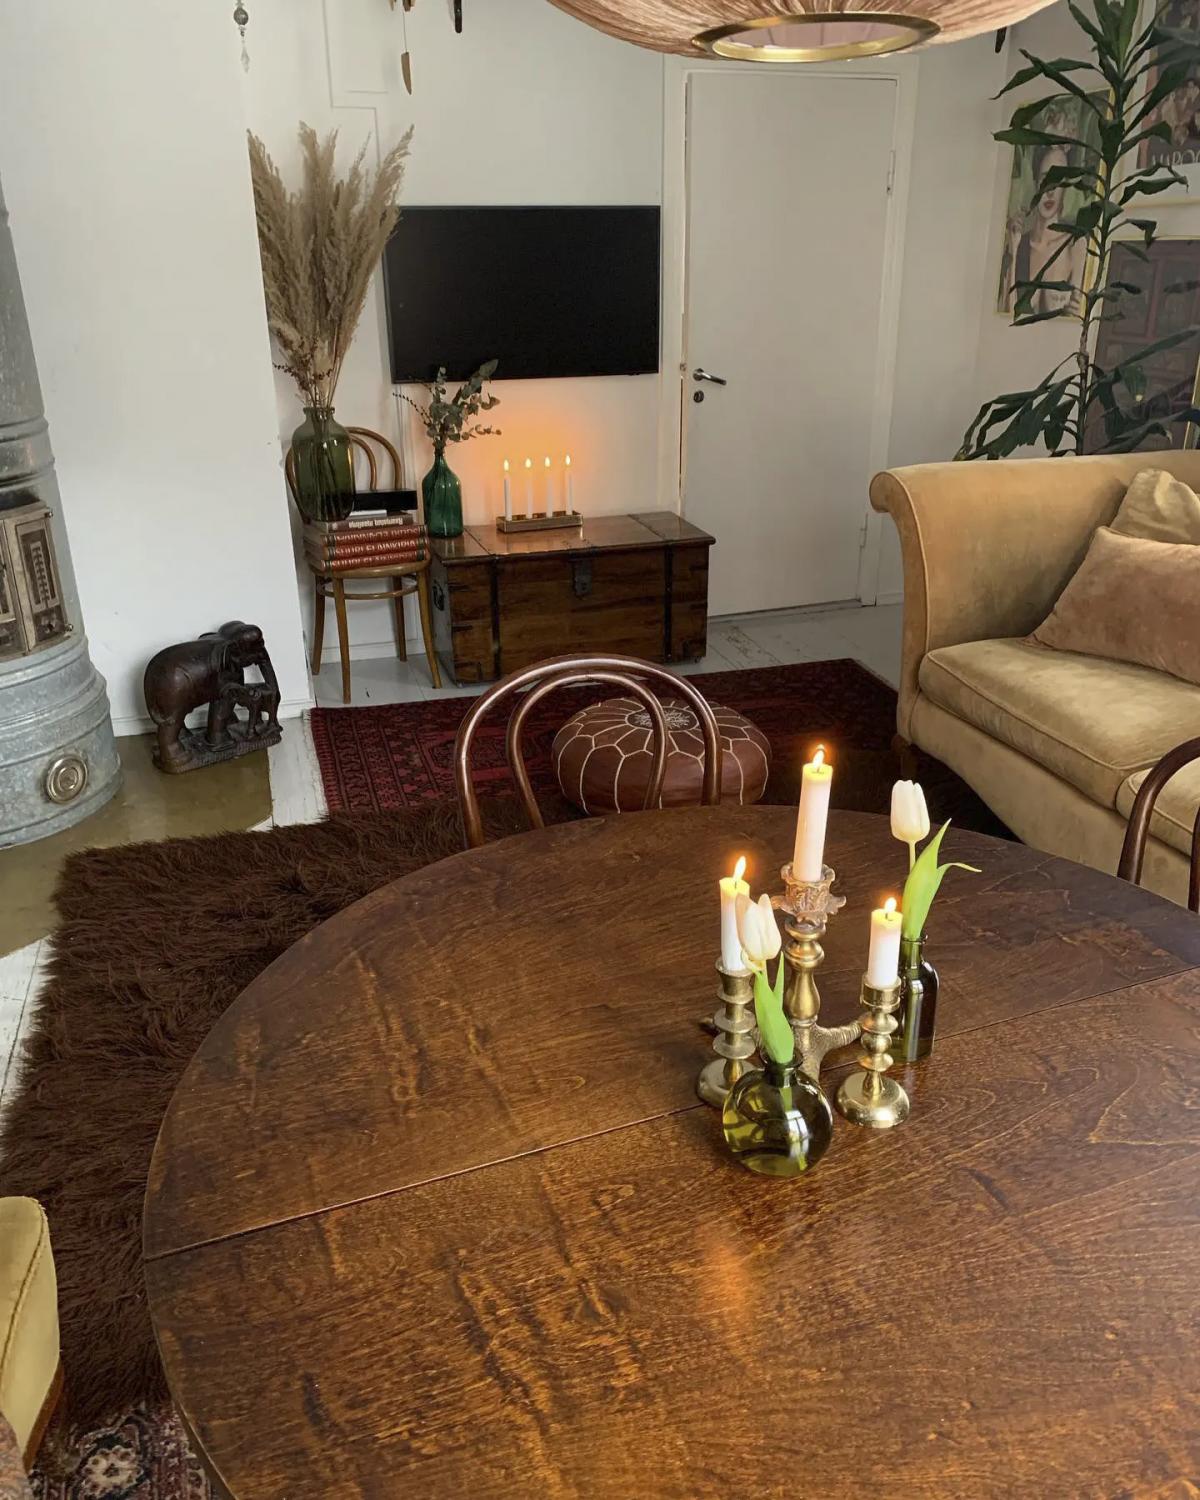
x=547 y=460
x=889 y=905
x=819 y=758
x=529 y=463
x=568 y=460
x=740 y=868
x=506 y=465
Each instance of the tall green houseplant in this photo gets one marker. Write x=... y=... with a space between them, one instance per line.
x=1120 y=86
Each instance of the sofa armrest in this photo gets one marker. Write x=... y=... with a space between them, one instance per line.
x=989 y=546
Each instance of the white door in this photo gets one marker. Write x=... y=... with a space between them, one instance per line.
x=787 y=213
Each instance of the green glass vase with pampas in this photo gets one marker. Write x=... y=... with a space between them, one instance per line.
x=775 y=1120
x=319 y=247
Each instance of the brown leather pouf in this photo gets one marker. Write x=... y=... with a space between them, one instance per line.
x=602 y=756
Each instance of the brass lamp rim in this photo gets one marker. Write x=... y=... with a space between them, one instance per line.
x=913 y=30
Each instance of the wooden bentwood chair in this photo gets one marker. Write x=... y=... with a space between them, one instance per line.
x=406 y=578
x=1133 y=850
x=570 y=671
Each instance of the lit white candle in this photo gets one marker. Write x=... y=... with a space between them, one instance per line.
x=529 y=489
x=808 y=858
x=732 y=886
x=507 y=493
x=549 y=488
x=883 y=960
x=570 y=488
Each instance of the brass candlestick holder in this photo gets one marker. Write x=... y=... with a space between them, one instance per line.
x=807 y=906
x=734 y=1041
x=868 y=1097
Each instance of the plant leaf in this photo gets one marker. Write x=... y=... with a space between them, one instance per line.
x=774 y=1028
x=923 y=883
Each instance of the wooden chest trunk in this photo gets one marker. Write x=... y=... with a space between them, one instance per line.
x=635 y=584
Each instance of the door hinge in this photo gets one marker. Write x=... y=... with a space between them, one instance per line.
x=891 y=178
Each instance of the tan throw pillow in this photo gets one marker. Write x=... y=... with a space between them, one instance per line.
x=1159 y=508
x=1132 y=600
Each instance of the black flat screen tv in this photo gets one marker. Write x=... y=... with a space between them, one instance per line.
x=545 y=291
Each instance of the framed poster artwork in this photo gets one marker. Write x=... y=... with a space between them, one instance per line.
x=1171 y=375
x=1180 y=111
x=1030 y=240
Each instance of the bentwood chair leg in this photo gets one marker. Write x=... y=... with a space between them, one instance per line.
x=398 y=606
x=318 y=644
x=423 y=599
x=339 y=604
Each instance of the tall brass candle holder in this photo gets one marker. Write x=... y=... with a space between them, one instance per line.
x=869 y=1097
x=734 y=1042
x=807 y=906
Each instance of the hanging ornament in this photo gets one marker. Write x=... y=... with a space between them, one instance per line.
x=241 y=19
x=794 y=31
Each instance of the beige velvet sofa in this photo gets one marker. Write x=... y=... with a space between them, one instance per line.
x=1056 y=743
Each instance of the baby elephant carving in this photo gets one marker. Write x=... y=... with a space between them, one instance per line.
x=212 y=671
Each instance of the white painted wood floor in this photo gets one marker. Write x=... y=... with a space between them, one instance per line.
x=871 y=636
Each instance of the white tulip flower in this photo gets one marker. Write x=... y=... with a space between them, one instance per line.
x=758 y=931
x=910 y=816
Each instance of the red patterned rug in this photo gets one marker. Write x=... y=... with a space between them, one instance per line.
x=397 y=754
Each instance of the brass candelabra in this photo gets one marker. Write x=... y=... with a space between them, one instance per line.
x=869 y=1097
x=734 y=1042
x=807 y=906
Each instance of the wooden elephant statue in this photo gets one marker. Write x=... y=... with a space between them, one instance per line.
x=212 y=671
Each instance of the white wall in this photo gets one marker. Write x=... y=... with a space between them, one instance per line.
x=124 y=165
x=527 y=106
x=947 y=274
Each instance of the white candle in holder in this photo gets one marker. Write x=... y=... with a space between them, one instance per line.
x=732 y=886
x=883 y=960
x=549 y=488
x=808 y=858
x=570 y=488
x=507 y=493
x=529 y=489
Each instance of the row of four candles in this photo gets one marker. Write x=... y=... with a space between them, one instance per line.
x=551 y=489
x=808 y=866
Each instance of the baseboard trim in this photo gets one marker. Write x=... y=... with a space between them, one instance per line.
x=373 y=650
x=290 y=708
x=895 y=597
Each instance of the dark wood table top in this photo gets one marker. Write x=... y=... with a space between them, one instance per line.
x=435 y=1209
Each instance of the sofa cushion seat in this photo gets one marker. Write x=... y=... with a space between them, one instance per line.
x=1091 y=721
x=28 y=1317
x=1174 y=814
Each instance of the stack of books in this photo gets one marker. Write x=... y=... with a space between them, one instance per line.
x=365 y=541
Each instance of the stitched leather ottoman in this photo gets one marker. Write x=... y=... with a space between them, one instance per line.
x=603 y=754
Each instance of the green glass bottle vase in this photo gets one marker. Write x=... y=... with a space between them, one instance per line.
x=441 y=490
x=917 y=1015
x=777 y=1121
x=324 y=463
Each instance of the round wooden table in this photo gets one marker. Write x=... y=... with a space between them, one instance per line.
x=435 y=1210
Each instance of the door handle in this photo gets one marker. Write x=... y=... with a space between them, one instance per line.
x=699 y=373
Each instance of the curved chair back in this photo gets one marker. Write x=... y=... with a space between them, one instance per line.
x=364 y=439
x=624 y=672
x=1133 y=850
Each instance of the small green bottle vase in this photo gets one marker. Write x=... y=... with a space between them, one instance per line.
x=777 y=1121
x=324 y=466
x=441 y=490
x=917 y=1015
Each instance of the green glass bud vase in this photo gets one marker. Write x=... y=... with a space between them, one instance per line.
x=917 y=1015
x=777 y=1121
x=324 y=466
x=441 y=490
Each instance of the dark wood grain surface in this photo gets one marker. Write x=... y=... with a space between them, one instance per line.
x=435 y=1208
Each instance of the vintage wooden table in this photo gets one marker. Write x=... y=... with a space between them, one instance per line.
x=435 y=1210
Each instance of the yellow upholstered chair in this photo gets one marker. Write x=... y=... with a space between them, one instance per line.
x=30 y=1367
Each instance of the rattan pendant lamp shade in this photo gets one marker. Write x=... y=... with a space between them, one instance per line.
x=795 y=31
